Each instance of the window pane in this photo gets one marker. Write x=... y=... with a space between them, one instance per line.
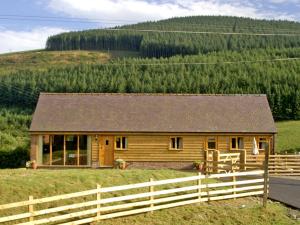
x=233 y=143
x=83 y=156
x=179 y=143
x=71 y=150
x=263 y=145
x=46 y=150
x=241 y=143
x=124 y=142
x=173 y=142
x=58 y=150
x=211 y=143
x=118 y=142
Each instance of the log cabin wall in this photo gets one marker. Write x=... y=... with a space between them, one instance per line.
x=156 y=147
x=34 y=147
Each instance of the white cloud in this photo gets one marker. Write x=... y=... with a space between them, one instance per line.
x=284 y=1
x=12 y=41
x=141 y=10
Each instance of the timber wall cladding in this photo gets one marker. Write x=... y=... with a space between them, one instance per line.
x=34 y=147
x=95 y=151
x=156 y=148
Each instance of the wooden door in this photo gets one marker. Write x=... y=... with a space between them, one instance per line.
x=106 y=151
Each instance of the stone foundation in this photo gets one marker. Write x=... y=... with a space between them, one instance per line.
x=160 y=165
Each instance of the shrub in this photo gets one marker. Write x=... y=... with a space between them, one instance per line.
x=14 y=159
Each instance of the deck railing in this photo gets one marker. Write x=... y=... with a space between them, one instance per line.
x=144 y=197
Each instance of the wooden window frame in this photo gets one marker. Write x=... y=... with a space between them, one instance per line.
x=122 y=147
x=237 y=142
x=266 y=141
x=170 y=143
x=65 y=150
x=216 y=141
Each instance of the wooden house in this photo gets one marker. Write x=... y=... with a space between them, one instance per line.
x=146 y=130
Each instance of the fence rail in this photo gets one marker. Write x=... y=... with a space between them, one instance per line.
x=279 y=165
x=284 y=165
x=193 y=189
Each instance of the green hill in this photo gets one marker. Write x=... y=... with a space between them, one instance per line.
x=251 y=73
x=121 y=61
x=163 y=38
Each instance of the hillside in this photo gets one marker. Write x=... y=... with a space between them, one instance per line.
x=196 y=63
x=183 y=36
x=41 y=59
x=253 y=73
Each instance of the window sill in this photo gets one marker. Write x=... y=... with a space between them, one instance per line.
x=121 y=150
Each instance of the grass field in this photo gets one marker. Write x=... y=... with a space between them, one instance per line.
x=17 y=185
x=288 y=138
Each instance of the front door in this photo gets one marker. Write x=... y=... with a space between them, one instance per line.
x=106 y=151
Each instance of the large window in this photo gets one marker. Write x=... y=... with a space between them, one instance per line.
x=121 y=143
x=212 y=143
x=237 y=143
x=46 y=150
x=176 y=143
x=83 y=150
x=57 y=150
x=71 y=150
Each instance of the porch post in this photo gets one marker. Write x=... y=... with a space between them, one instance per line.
x=243 y=159
x=216 y=159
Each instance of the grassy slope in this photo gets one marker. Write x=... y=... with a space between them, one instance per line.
x=288 y=138
x=44 y=59
x=16 y=185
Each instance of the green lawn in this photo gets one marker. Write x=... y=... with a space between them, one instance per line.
x=18 y=184
x=288 y=137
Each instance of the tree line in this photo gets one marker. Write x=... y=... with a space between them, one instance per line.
x=161 y=44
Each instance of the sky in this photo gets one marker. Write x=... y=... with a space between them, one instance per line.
x=26 y=24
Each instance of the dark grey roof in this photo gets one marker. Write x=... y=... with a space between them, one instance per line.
x=152 y=113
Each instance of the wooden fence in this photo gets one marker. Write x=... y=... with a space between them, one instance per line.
x=158 y=195
x=278 y=165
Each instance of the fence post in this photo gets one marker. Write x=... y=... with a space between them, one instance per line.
x=206 y=161
x=151 y=190
x=234 y=182
x=216 y=159
x=98 y=199
x=199 y=187
x=30 y=208
x=243 y=159
x=266 y=179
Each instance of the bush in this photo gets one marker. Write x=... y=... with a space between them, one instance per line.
x=14 y=159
